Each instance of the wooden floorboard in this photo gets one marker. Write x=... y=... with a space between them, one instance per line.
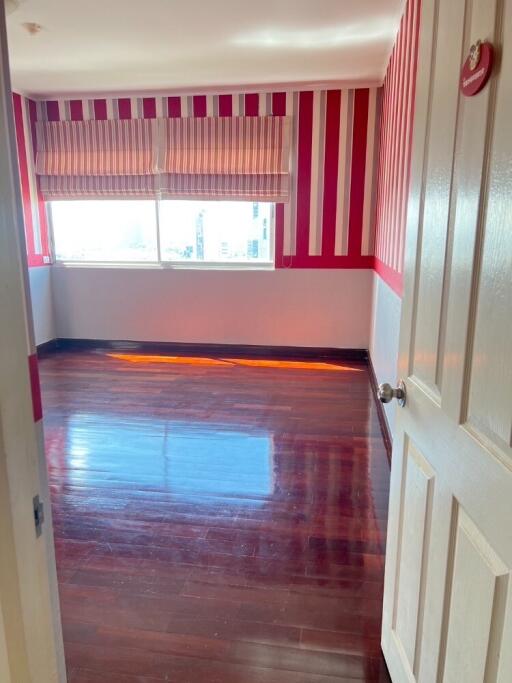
x=216 y=522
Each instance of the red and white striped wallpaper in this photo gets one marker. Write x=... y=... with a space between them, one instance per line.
x=34 y=213
x=396 y=121
x=350 y=165
x=329 y=222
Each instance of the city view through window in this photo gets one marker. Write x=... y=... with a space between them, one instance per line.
x=174 y=231
x=215 y=231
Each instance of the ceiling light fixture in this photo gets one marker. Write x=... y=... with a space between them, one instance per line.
x=32 y=27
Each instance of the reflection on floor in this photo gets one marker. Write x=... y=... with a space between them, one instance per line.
x=216 y=522
x=180 y=457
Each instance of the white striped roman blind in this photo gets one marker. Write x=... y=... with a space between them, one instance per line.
x=208 y=157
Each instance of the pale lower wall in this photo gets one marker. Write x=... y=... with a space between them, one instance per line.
x=384 y=337
x=296 y=307
x=42 y=304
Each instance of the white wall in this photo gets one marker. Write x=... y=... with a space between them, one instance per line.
x=296 y=307
x=42 y=304
x=385 y=331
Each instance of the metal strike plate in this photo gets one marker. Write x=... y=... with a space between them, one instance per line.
x=38 y=515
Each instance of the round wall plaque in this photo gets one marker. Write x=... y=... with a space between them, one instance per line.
x=476 y=69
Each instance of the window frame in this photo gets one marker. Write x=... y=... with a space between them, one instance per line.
x=161 y=264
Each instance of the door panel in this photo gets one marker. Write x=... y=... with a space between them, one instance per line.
x=447 y=599
x=439 y=160
x=472 y=562
x=475 y=134
x=418 y=479
x=489 y=405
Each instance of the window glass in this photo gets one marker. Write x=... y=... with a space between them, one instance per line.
x=216 y=232
x=127 y=231
x=105 y=230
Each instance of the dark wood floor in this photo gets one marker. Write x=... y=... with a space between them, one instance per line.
x=216 y=523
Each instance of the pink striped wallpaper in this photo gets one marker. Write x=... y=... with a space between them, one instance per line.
x=395 y=149
x=350 y=159
x=329 y=222
x=34 y=213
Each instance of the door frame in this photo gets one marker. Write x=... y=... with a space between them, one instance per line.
x=30 y=626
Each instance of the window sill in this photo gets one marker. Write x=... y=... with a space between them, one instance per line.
x=164 y=266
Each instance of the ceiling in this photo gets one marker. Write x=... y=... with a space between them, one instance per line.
x=117 y=46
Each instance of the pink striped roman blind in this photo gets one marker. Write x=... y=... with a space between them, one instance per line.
x=240 y=157
x=203 y=158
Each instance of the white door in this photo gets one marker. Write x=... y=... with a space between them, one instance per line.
x=30 y=632
x=448 y=593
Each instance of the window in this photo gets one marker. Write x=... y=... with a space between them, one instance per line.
x=215 y=232
x=176 y=232
x=104 y=231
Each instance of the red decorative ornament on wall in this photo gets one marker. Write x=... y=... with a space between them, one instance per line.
x=476 y=69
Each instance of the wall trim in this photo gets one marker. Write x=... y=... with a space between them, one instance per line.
x=47 y=347
x=238 y=89
x=383 y=420
x=185 y=348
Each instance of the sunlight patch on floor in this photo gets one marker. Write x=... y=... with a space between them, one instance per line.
x=233 y=362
